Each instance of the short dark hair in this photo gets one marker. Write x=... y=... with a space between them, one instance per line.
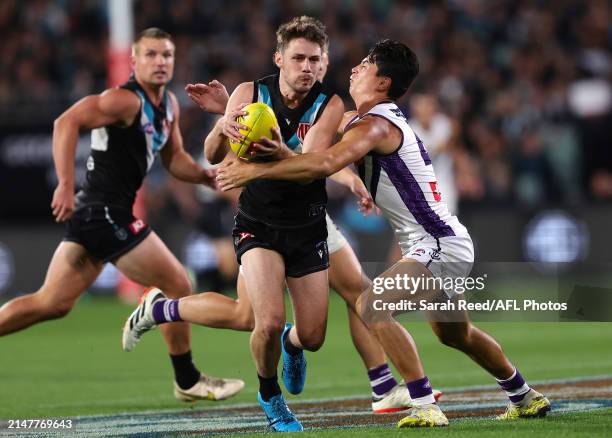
x=302 y=27
x=152 y=32
x=396 y=61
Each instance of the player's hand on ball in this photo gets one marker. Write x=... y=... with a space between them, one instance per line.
x=234 y=173
x=62 y=204
x=230 y=127
x=211 y=97
x=267 y=147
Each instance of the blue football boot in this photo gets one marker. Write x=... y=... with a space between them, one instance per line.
x=294 y=367
x=280 y=418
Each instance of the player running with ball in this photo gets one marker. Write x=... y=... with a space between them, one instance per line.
x=398 y=174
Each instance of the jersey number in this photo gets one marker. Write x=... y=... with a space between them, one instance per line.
x=434 y=189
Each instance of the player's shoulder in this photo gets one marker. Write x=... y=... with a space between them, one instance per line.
x=335 y=104
x=245 y=91
x=119 y=94
x=347 y=118
x=389 y=110
x=268 y=80
x=119 y=101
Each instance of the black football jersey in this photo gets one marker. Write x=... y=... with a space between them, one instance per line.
x=121 y=156
x=287 y=204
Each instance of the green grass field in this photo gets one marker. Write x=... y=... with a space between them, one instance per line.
x=587 y=424
x=75 y=366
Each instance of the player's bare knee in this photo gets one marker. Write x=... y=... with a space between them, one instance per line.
x=366 y=311
x=351 y=295
x=246 y=321
x=243 y=318
x=313 y=344
x=271 y=327
x=359 y=306
x=312 y=340
x=57 y=310
x=49 y=308
x=453 y=338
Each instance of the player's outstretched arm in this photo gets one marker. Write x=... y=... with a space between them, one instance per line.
x=177 y=161
x=345 y=176
x=216 y=145
x=211 y=97
x=362 y=138
x=116 y=106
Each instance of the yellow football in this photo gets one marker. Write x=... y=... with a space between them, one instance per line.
x=260 y=120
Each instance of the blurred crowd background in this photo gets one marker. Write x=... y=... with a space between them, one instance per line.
x=513 y=99
x=517 y=93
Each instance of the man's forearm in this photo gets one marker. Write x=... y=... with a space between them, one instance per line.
x=285 y=152
x=304 y=167
x=216 y=145
x=344 y=176
x=183 y=167
x=65 y=136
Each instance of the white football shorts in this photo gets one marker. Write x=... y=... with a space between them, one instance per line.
x=446 y=257
x=335 y=238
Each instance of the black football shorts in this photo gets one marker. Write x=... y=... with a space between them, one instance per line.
x=304 y=250
x=107 y=232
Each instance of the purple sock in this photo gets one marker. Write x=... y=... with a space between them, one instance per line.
x=381 y=379
x=420 y=391
x=515 y=387
x=166 y=311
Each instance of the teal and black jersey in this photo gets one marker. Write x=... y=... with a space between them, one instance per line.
x=121 y=156
x=287 y=204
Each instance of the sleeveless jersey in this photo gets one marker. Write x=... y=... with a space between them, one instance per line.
x=403 y=183
x=287 y=204
x=121 y=156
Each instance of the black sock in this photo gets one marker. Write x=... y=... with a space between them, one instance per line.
x=268 y=387
x=185 y=372
x=289 y=347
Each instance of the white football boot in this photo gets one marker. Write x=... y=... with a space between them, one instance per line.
x=429 y=415
x=209 y=388
x=396 y=400
x=141 y=320
x=533 y=405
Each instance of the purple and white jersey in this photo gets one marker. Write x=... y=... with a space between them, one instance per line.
x=403 y=183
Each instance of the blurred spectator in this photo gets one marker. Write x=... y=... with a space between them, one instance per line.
x=534 y=182
x=435 y=129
